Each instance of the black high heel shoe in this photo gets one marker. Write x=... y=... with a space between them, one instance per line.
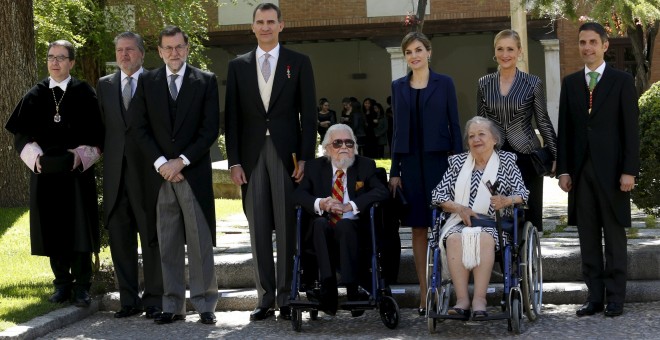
x=421 y=311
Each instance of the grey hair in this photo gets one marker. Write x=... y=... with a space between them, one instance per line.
x=337 y=127
x=131 y=35
x=497 y=134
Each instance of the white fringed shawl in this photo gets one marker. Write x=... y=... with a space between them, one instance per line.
x=470 y=236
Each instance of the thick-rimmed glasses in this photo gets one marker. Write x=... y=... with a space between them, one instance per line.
x=59 y=58
x=337 y=143
x=170 y=49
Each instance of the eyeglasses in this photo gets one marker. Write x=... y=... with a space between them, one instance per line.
x=337 y=143
x=59 y=58
x=178 y=48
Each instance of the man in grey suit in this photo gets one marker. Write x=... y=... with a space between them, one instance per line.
x=175 y=119
x=124 y=183
x=270 y=116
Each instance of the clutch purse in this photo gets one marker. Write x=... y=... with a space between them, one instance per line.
x=52 y=163
x=542 y=161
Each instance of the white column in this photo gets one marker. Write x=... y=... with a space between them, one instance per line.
x=552 y=78
x=519 y=24
x=398 y=62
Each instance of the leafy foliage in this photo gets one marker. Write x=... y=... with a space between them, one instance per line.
x=647 y=192
x=618 y=13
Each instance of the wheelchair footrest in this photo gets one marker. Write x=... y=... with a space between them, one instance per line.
x=434 y=315
x=301 y=304
x=358 y=305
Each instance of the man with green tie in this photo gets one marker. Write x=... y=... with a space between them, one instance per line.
x=597 y=161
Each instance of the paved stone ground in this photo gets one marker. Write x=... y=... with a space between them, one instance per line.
x=640 y=321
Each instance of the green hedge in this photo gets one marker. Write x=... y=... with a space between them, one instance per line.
x=647 y=192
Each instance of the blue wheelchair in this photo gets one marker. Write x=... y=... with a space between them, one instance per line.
x=521 y=265
x=305 y=279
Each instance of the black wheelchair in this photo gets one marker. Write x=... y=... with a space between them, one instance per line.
x=305 y=278
x=520 y=263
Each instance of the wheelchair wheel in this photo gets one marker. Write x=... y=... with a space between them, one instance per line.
x=432 y=304
x=296 y=320
x=314 y=314
x=516 y=315
x=389 y=312
x=532 y=280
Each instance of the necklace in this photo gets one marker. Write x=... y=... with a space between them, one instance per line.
x=57 y=118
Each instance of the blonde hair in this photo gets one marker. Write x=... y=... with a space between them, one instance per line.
x=508 y=34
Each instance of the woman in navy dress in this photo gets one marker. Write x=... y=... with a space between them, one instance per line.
x=426 y=132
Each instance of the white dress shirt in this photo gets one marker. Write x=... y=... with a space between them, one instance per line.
x=351 y=214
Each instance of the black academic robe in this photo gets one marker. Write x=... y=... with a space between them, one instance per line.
x=63 y=206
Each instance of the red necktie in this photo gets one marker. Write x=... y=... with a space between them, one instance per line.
x=338 y=194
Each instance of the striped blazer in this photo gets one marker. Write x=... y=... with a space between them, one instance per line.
x=513 y=113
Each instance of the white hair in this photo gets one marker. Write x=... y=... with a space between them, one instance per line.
x=327 y=140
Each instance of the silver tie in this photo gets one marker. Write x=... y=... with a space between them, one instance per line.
x=173 y=91
x=265 y=67
x=127 y=92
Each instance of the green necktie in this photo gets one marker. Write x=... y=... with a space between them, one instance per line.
x=593 y=80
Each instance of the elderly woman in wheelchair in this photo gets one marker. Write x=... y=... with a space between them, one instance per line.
x=477 y=184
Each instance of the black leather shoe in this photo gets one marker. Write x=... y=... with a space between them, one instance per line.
x=285 y=313
x=614 y=309
x=127 y=311
x=82 y=298
x=590 y=308
x=164 y=318
x=61 y=295
x=152 y=312
x=261 y=313
x=207 y=318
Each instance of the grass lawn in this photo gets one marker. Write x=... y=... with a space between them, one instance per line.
x=226 y=207
x=25 y=280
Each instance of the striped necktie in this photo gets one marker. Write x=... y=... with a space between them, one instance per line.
x=127 y=93
x=338 y=194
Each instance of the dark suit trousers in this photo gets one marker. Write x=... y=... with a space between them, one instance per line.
x=73 y=270
x=268 y=206
x=327 y=239
x=123 y=227
x=595 y=220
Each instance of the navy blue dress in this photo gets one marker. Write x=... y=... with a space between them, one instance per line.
x=420 y=171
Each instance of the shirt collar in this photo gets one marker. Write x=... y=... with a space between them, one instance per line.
x=181 y=72
x=135 y=75
x=600 y=69
x=334 y=170
x=53 y=83
x=274 y=53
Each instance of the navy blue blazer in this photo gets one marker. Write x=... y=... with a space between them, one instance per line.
x=439 y=109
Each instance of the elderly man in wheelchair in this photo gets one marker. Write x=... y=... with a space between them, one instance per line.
x=478 y=184
x=338 y=190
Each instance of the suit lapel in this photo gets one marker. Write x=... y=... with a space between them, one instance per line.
x=250 y=77
x=116 y=103
x=602 y=90
x=161 y=89
x=185 y=97
x=431 y=87
x=283 y=62
x=579 y=90
x=326 y=177
x=352 y=173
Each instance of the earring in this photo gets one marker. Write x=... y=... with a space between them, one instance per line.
x=428 y=59
x=520 y=58
x=495 y=58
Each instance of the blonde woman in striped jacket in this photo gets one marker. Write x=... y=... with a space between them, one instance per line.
x=512 y=99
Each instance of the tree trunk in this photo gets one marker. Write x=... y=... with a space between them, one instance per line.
x=19 y=72
x=643 y=44
x=421 y=11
